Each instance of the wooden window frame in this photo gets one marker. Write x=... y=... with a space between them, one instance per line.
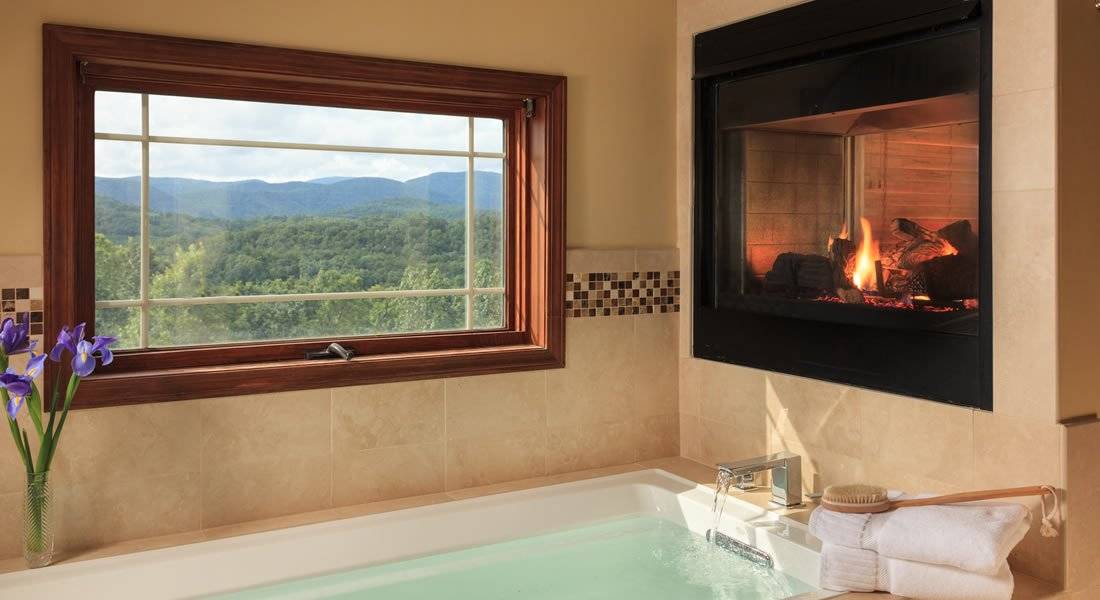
x=79 y=61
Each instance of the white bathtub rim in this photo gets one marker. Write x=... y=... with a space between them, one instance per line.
x=649 y=482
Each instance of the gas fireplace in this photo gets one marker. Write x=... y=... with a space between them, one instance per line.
x=842 y=195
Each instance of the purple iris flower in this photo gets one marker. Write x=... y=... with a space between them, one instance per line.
x=19 y=385
x=84 y=352
x=15 y=337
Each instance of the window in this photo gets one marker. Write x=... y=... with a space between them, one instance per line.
x=240 y=206
x=226 y=221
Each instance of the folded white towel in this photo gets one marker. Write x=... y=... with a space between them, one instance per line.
x=857 y=570
x=974 y=537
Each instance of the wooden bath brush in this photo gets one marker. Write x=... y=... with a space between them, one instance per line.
x=873 y=499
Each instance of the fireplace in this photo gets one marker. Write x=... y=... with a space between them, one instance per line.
x=842 y=195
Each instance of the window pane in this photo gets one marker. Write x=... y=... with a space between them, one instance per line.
x=224 y=323
x=122 y=323
x=179 y=116
x=489 y=208
x=219 y=227
x=488 y=311
x=117 y=220
x=118 y=112
x=488 y=135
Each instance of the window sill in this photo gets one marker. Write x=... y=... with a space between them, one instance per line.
x=115 y=389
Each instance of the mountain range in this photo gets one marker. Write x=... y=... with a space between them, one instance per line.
x=253 y=198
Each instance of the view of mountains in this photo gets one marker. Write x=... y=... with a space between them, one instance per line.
x=442 y=192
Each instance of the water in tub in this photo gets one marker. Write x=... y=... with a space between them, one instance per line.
x=640 y=558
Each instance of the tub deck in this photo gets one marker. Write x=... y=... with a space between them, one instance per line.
x=1027 y=588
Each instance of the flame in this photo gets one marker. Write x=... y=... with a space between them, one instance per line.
x=864 y=274
x=948 y=249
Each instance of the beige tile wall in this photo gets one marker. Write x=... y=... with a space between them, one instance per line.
x=849 y=434
x=149 y=470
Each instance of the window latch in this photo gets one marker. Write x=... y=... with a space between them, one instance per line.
x=528 y=107
x=333 y=350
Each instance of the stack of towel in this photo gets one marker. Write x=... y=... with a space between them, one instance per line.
x=956 y=552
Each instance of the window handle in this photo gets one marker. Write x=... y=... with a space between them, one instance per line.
x=334 y=350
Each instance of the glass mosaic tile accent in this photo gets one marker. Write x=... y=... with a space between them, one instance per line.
x=609 y=294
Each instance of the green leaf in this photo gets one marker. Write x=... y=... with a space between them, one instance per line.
x=34 y=407
x=23 y=452
x=27 y=445
x=74 y=383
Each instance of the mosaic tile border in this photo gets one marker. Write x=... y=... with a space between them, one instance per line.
x=607 y=294
x=15 y=302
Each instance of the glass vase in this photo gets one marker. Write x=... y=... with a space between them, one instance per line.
x=37 y=516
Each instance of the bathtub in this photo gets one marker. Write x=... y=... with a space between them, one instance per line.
x=219 y=566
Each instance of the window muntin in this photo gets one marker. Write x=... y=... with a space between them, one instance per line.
x=185 y=256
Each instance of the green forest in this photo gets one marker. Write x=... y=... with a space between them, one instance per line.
x=394 y=244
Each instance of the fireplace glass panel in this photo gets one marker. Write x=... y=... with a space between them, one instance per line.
x=865 y=214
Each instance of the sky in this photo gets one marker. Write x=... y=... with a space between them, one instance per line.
x=259 y=121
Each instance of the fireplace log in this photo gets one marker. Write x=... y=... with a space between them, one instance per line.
x=793 y=273
x=842 y=253
x=961 y=235
x=953 y=277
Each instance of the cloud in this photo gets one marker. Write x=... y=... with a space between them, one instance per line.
x=259 y=121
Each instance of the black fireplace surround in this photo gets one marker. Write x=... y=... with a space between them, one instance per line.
x=842 y=195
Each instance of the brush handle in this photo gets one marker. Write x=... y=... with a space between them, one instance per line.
x=1031 y=490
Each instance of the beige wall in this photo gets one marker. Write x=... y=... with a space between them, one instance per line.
x=1078 y=205
x=617 y=55
x=850 y=434
x=132 y=472
x=1078 y=287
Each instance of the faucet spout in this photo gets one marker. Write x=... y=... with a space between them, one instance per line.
x=786 y=469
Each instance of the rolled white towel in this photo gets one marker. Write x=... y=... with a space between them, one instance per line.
x=974 y=537
x=857 y=570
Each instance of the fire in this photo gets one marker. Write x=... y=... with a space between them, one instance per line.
x=864 y=274
x=948 y=249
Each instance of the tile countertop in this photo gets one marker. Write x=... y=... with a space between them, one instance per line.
x=1027 y=588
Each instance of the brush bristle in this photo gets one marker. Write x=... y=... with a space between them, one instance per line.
x=857 y=494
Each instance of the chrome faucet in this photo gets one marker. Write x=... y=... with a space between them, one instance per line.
x=786 y=468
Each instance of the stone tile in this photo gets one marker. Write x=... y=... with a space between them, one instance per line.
x=916 y=445
x=235 y=492
x=266 y=426
x=485 y=460
x=658 y=436
x=590 y=260
x=596 y=383
x=655 y=364
x=815 y=414
x=820 y=467
x=1024 y=46
x=657 y=259
x=495 y=404
x=688 y=373
x=732 y=394
x=1011 y=452
x=1082 y=529
x=21 y=270
x=691 y=437
x=1025 y=317
x=11 y=523
x=725 y=442
x=388 y=414
x=590 y=446
x=387 y=473
x=124 y=442
x=97 y=512
x=534 y=482
x=1023 y=151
